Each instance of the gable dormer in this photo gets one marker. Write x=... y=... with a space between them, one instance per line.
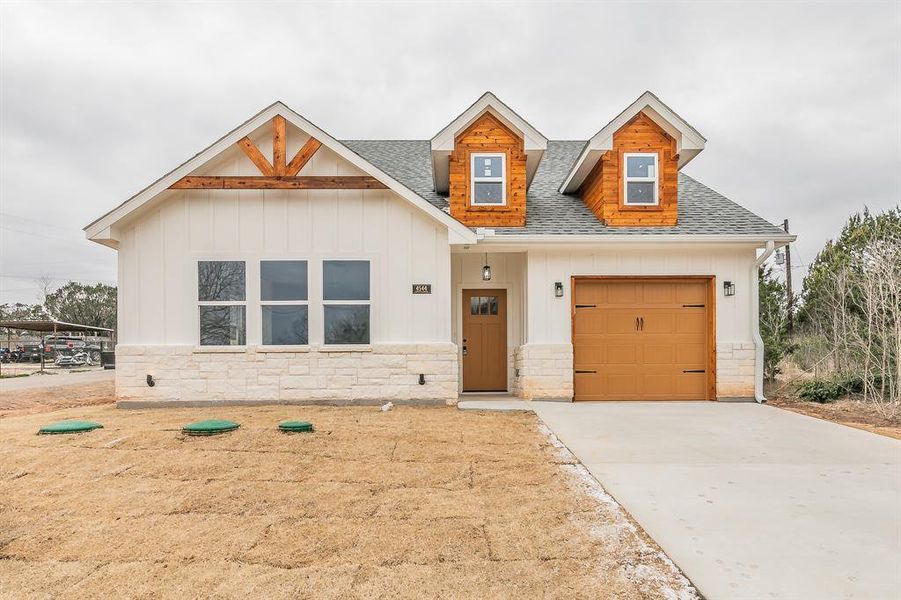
x=484 y=160
x=628 y=173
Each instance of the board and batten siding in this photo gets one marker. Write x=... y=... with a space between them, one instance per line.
x=158 y=253
x=549 y=319
x=158 y=307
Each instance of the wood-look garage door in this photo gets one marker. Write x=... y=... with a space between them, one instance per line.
x=642 y=339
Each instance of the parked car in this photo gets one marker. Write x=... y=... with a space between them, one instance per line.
x=73 y=358
x=60 y=343
x=29 y=353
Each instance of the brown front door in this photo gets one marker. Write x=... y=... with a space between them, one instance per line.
x=484 y=340
x=641 y=339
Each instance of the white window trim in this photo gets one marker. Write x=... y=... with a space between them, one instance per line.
x=473 y=179
x=244 y=303
x=262 y=303
x=627 y=179
x=331 y=346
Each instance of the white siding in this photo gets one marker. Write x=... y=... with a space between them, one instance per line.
x=160 y=247
x=549 y=318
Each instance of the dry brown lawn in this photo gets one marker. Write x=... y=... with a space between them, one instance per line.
x=416 y=502
x=21 y=402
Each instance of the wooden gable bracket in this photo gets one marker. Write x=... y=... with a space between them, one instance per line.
x=281 y=175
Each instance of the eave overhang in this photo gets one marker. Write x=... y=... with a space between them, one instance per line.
x=534 y=143
x=104 y=229
x=689 y=142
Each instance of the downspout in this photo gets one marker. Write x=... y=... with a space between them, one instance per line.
x=755 y=321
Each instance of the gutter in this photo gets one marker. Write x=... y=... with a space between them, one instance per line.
x=755 y=322
x=487 y=236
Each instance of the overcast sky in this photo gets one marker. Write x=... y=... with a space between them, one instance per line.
x=800 y=102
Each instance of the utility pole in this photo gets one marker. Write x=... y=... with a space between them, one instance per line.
x=788 y=280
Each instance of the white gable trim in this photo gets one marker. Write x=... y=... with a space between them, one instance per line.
x=102 y=230
x=534 y=143
x=688 y=141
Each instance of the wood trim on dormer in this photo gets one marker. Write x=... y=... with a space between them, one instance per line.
x=487 y=134
x=602 y=190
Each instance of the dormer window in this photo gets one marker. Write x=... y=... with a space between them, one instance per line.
x=489 y=179
x=640 y=179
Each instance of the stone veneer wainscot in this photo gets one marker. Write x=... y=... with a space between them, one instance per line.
x=386 y=372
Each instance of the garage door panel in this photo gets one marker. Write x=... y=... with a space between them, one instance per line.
x=692 y=356
x=691 y=320
x=588 y=321
x=691 y=386
x=658 y=354
x=658 y=293
x=623 y=361
x=691 y=293
x=622 y=293
x=657 y=321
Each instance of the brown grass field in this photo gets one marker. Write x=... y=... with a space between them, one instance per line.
x=412 y=503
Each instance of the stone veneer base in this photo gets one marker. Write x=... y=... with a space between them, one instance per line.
x=188 y=376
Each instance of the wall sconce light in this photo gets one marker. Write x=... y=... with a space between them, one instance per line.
x=728 y=288
x=558 y=289
x=486 y=270
x=780 y=256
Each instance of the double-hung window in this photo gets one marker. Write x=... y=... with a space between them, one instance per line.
x=489 y=179
x=640 y=179
x=284 y=302
x=222 y=299
x=346 y=301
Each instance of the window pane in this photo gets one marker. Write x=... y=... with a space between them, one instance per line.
x=345 y=280
x=640 y=192
x=220 y=280
x=347 y=324
x=483 y=305
x=487 y=166
x=283 y=280
x=474 y=305
x=222 y=326
x=285 y=325
x=640 y=166
x=488 y=192
x=492 y=305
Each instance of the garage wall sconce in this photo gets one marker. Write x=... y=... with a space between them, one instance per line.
x=728 y=288
x=558 y=289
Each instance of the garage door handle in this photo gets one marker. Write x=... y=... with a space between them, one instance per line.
x=586 y=305
x=695 y=371
x=642 y=323
x=636 y=324
x=692 y=306
x=578 y=371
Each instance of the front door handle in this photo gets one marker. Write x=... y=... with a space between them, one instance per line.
x=465 y=351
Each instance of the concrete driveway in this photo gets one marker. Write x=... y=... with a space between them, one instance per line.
x=750 y=501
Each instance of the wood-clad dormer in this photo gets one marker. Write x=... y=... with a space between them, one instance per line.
x=635 y=184
x=628 y=172
x=484 y=161
x=487 y=175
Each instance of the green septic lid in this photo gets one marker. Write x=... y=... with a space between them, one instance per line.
x=210 y=427
x=69 y=427
x=295 y=426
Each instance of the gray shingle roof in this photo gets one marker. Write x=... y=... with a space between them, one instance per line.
x=701 y=210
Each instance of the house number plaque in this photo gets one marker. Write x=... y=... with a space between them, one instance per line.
x=422 y=288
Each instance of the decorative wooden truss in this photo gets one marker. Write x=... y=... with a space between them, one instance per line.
x=281 y=175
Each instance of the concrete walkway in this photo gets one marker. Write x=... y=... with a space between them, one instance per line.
x=750 y=501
